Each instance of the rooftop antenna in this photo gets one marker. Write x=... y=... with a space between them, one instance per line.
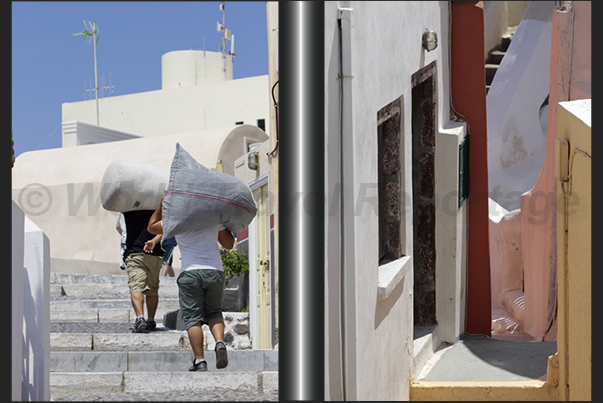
x=226 y=35
x=94 y=35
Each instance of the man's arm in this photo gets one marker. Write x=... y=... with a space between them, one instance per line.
x=226 y=238
x=155 y=226
x=150 y=244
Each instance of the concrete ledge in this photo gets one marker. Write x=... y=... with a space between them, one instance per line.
x=390 y=275
x=455 y=391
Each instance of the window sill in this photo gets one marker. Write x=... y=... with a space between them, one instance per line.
x=390 y=275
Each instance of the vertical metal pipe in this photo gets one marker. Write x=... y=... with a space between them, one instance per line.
x=301 y=195
x=95 y=73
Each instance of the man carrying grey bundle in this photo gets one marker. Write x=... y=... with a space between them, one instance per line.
x=201 y=285
x=144 y=259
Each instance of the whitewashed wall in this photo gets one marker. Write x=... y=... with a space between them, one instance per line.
x=386 y=50
x=198 y=104
x=30 y=308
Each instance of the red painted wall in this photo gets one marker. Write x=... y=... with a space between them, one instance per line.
x=469 y=98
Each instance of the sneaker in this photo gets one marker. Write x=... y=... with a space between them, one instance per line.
x=139 y=326
x=221 y=355
x=151 y=325
x=202 y=366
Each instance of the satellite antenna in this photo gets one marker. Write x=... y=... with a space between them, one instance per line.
x=93 y=33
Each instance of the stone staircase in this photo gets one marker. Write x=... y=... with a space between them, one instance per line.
x=93 y=349
x=496 y=55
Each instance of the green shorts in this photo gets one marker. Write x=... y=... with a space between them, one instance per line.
x=200 y=294
x=143 y=272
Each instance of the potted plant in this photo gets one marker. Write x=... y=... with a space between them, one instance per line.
x=236 y=268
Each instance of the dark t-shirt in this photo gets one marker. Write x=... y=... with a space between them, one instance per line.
x=137 y=233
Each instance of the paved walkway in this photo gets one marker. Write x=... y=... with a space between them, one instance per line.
x=480 y=358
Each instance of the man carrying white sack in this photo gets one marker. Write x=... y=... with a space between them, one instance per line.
x=201 y=285
x=144 y=259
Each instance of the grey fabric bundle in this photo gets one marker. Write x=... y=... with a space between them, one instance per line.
x=128 y=186
x=197 y=197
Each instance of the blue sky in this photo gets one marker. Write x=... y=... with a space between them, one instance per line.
x=51 y=67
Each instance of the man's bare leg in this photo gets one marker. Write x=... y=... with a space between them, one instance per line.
x=195 y=336
x=137 y=302
x=216 y=326
x=152 y=302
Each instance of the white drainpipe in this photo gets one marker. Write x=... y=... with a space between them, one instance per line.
x=348 y=275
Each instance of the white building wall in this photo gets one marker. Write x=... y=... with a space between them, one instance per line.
x=36 y=314
x=16 y=309
x=30 y=310
x=179 y=109
x=377 y=355
x=78 y=134
x=183 y=68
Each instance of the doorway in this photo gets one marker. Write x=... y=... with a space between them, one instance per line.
x=423 y=199
x=262 y=305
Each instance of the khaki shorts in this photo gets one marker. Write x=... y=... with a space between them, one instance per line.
x=143 y=272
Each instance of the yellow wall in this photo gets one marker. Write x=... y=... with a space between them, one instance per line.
x=574 y=251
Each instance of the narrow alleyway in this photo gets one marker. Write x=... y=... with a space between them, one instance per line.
x=95 y=356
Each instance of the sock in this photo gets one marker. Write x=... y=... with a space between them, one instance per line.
x=140 y=317
x=199 y=361
x=150 y=319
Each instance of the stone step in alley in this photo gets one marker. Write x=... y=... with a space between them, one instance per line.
x=95 y=356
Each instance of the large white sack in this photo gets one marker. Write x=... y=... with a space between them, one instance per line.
x=197 y=197
x=128 y=186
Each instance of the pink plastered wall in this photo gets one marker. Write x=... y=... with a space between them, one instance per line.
x=570 y=80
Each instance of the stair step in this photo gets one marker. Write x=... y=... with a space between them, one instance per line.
x=514 y=303
x=491 y=70
x=161 y=339
x=112 y=290
x=150 y=361
x=79 y=278
x=496 y=57
x=422 y=347
x=121 y=303
x=161 y=381
x=504 y=323
x=505 y=42
x=110 y=315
